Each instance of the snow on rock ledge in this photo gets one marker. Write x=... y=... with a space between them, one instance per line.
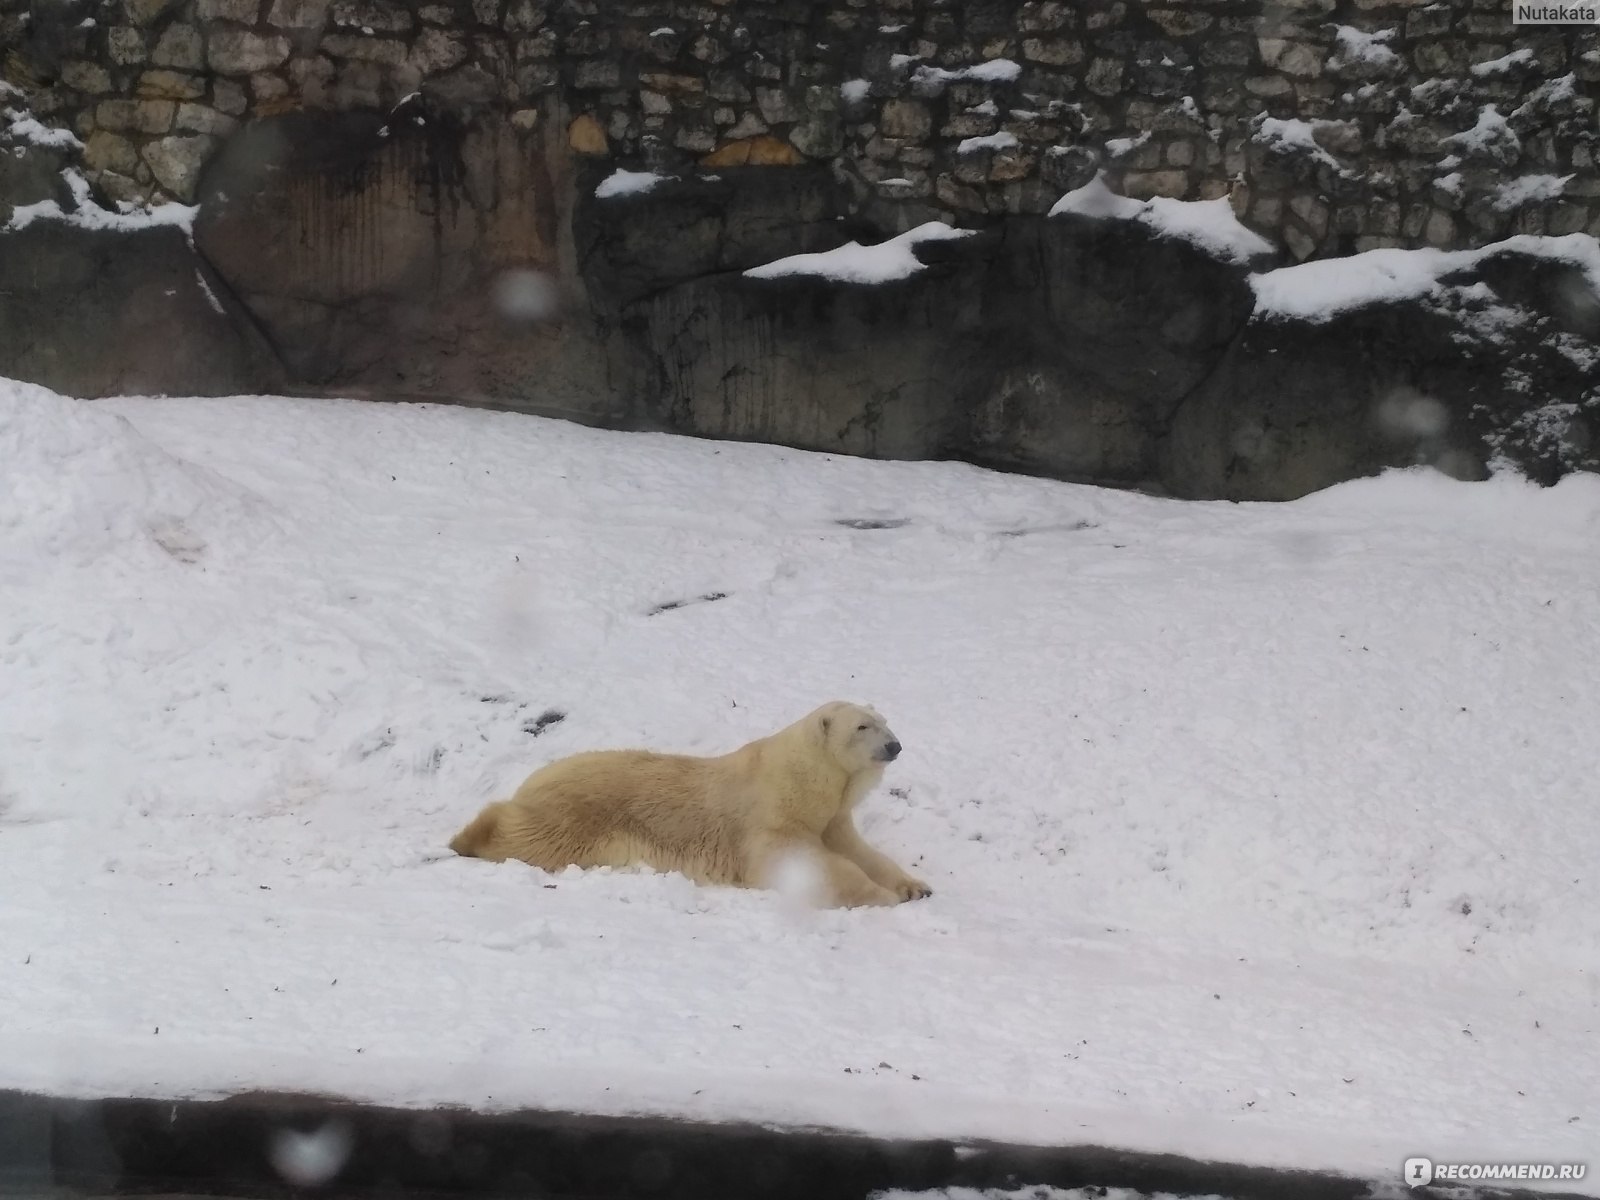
x=1318 y=291
x=855 y=263
x=629 y=183
x=1207 y=224
x=86 y=213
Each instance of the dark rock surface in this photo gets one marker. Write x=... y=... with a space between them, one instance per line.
x=1058 y=346
x=30 y=174
x=95 y=312
x=373 y=250
x=1501 y=365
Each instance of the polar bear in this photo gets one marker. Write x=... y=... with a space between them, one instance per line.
x=783 y=802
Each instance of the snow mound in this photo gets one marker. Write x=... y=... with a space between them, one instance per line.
x=22 y=127
x=1507 y=504
x=87 y=213
x=1521 y=57
x=1490 y=137
x=80 y=483
x=1208 y=224
x=855 y=263
x=1117 y=147
x=628 y=183
x=992 y=141
x=1319 y=291
x=996 y=70
x=1294 y=136
x=1354 y=47
x=1529 y=189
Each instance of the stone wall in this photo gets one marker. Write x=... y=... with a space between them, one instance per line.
x=1333 y=125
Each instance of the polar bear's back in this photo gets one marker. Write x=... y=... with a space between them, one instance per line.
x=622 y=808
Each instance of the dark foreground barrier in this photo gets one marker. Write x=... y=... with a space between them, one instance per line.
x=269 y=1145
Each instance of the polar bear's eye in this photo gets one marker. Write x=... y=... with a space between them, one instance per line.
x=861 y=728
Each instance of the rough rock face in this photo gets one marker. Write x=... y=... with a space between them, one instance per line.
x=96 y=312
x=1502 y=365
x=399 y=199
x=1095 y=350
x=371 y=251
x=1055 y=345
x=31 y=174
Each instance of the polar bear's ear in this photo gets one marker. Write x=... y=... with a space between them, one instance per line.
x=827 y=723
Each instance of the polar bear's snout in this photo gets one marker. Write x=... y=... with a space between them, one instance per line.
x=890 y=752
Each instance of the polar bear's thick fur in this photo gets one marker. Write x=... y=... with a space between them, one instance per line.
x=773 y=809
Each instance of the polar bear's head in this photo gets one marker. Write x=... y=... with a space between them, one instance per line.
x=857 y=736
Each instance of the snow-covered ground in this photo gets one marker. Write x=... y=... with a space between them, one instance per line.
x=1257 y=832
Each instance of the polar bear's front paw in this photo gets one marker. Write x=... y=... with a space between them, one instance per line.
x=871 y=896
x=912 y=889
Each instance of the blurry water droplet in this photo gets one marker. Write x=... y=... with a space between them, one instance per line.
x=652 y=1169
x=526 y=296
x=1458 y=464
x=1576 y=304
x=1406 y=415
x=311 y=1159
x=1248 y=439
x=1305 y=545
x=515 y=616
x=800 y=881
x=430 y=1135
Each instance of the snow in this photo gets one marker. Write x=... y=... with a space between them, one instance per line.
x=1118 y=147
x=211 y=296
x=1033 y=1193
x=992 y=141
x=1548 y=95
x=1293 y=136
x=1208 y=224
x=88 y=214
x=1529 y=189
x=996 y=70
x=1319 y=290
x=1096 y=199
x=1354 y=46
x=628 y=183
x=854 y=91
x=22 y=127
x=854 y=263
x=1521 y=57
x=1258 y=832
x=1489 y=133
x=1430 y=92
